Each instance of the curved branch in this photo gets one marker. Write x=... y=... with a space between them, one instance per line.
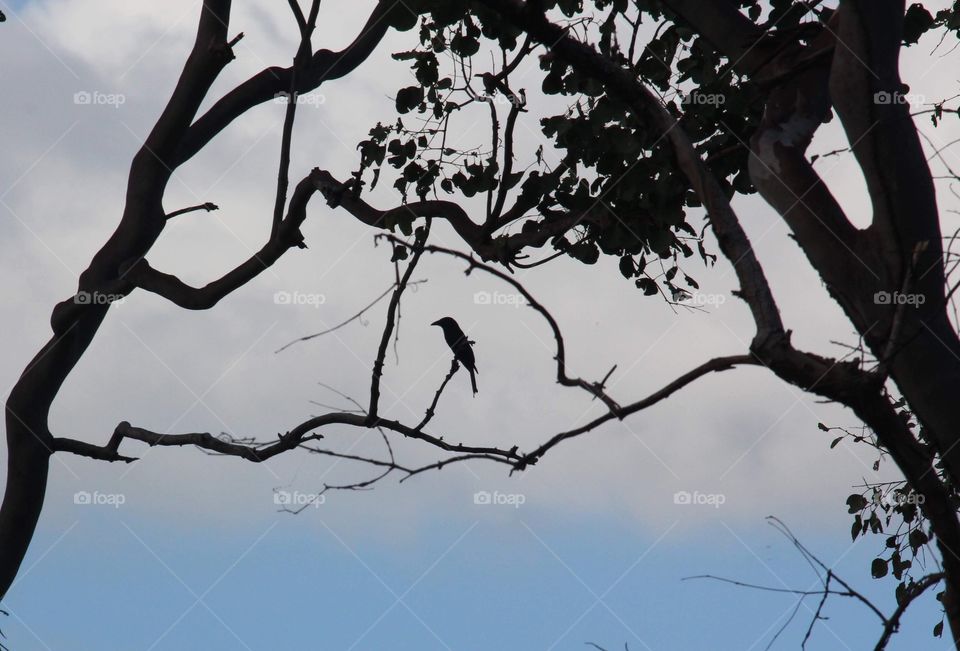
x=501 y=248
x=914 y=590
x=324 y=65
x=714 y=365
x=731 y=238
x=287 y=235
x=594 y=388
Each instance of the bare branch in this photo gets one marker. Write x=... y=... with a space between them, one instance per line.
x=732 y=239
x=356 y=316
x=454 y=367
x=714 y=365
x=502 y=248
x=324 y=65
x=594 y=388
x=401 y=285
x=288 y=235
x=203 y=206
x=913 y=591
x=300 y=62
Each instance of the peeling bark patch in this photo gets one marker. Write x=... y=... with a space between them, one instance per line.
x=793 y=133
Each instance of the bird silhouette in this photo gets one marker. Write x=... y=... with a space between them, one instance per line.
x=460 y=345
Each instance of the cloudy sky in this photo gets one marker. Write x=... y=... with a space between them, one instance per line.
x=197 y=554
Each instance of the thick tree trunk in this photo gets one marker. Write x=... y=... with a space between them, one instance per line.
x=27 y=464
x=927 y=371
x=176 y=137
x=29 y=441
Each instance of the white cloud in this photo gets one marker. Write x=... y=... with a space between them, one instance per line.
x=741 y=433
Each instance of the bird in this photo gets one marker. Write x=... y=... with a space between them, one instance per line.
x=460 y=345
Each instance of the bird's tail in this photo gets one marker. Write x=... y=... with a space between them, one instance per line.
x=473 y=381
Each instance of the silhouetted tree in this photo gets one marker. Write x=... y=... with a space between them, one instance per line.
x=723 y=99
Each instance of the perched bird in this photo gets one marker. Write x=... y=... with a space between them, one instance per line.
x=460 y=345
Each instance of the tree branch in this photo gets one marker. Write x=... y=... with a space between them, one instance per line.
x=501 y=248
x=288 y=235
x=401 y=285
x=649 y=109
x=324 y=65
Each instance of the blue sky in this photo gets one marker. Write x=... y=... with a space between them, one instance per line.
x=525 y=580
x=197 y=556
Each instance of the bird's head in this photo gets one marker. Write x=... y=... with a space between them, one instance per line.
x=445 y=322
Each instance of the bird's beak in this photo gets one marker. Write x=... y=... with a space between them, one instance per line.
x=436 y=323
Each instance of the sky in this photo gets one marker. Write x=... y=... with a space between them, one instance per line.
x=183 y=550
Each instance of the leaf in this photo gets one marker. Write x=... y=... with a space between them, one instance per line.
x=938 y=629
x=899 y=565
x=399 y=253
x=648 y=286
x=833 y=443
x=878 y=568
x=822 y=427
x=464 y=45
x=409 y=98
x=918 y=538
x=856 y=503
x=916 y=21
